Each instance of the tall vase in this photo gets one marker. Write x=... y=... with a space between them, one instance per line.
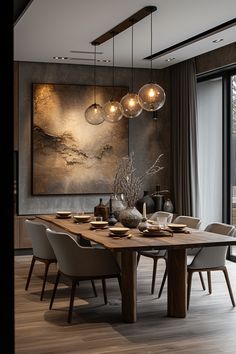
x=130 y=217
x=117 y=205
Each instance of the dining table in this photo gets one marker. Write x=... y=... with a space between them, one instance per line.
x=175 y=243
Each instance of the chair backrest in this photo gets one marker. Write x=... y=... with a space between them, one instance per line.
x=190 y=221
x=213 y=257
x=164 y=214
x=40 y=244
x=75 y=260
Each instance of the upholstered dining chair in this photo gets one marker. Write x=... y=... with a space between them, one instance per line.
x=42 y=250
x=156 y=255
x=211 y=259
x=80 y=263
x=193 y=223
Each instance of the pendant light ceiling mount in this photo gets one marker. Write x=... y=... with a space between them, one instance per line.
x=138 y=16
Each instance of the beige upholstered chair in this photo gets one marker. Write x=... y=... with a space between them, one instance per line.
x=193 y=223
x=211 y=259
x=155 y=254
x=190 y=221
x=80 y=263
x=42 y=250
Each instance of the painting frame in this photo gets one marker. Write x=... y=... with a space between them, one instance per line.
x=41 y=182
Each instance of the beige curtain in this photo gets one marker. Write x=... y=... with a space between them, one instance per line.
x=184 y=137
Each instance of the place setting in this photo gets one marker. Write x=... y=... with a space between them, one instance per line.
x=63 y=214
x=119 y=232
x=83 y=218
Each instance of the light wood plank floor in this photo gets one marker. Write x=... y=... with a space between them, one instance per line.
x=210 y=326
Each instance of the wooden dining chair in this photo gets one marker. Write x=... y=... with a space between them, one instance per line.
x=210 y=259
x=80 y=263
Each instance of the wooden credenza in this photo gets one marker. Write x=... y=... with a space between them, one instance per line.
x=21 y=239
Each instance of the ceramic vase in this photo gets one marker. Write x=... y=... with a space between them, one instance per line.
x=130 y=217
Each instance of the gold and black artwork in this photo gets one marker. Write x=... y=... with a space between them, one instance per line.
x=69 y=155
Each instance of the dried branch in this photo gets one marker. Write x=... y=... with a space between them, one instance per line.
x=127 y=182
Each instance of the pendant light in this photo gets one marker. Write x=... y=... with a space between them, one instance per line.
x=112 y=108
x=151 y=96
x=130 y=103
x=94 y=114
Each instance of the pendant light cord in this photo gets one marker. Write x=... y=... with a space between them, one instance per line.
x=151 y=51
x=132 y=58
x=94 y=73
x=113 y=64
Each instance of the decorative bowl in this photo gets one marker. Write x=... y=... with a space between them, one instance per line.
x=82 y=218
x=176 y=226
x=63 y=214
x=98 y=224
x=154 y=227
x=119 y=230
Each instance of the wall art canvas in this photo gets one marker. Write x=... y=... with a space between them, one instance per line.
x=69 y=155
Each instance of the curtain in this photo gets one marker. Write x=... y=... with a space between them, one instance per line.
x=184 y=137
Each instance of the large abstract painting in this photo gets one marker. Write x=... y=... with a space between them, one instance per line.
x=69 y=155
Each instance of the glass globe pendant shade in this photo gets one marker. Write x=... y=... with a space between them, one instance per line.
x=151 y=97
x=94 y=114
x=112 y=111
x=130 y=105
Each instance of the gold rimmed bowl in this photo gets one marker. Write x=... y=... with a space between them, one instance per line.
x=82 y=218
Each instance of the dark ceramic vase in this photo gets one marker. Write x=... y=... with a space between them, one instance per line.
x=150 y=205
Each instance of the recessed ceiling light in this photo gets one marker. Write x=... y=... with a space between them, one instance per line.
x=60 y=58
x=170 y=59
x=218 y=40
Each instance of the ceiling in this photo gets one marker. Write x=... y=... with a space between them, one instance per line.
x=54 y=28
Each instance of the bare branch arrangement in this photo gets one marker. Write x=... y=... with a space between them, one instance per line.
x=127 y=182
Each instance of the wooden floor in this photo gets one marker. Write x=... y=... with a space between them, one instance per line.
x=210 y=326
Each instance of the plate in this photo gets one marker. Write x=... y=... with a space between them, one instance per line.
x=161 y=233
x=82 y=218
x=176 y=227
x=63 y=214
x=99 y=224
x=120 y=231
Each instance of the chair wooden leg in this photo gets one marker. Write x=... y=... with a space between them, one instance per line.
x=72 y=296
x=104 y=290
x=190 y=275
x=154 y=274
x=30 y=272
x=209 y=281
x=138 y=258
x=202 y=281
x=94 y=288
x=229 y=286
x=54 y=289
x=47 y=264
x=162 y=283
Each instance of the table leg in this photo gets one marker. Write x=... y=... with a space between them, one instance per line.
x=129 y=286
x=177 y=283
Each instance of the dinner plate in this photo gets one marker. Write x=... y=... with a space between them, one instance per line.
x=99 y=224
x=119 y=231
x=82 y=218
x=176 y=227
x=63 y=214
x=161 y=233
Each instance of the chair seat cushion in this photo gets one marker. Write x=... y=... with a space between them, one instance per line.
x=153 y=253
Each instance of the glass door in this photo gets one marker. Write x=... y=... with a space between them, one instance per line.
x=233 y=159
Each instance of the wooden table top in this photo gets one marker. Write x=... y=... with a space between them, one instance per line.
x=196 y=238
